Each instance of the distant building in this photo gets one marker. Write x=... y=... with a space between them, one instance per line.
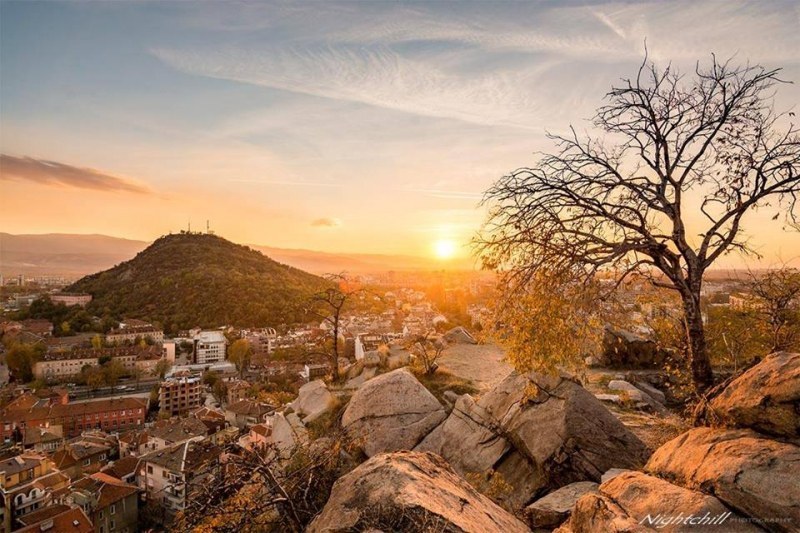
x=71 y=298
x=368 y=343
x=312 y=372
x=180 y=394
x=57 y=518
x=68 y=364
x=27 y=482
x=246 y=413
x=38 y=326
x=112 y=504
x=236 y=390
x=109 y=414
x=170 y=477
x=209 y=347
x=133 y=333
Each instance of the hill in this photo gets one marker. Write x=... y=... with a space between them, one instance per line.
x=187 y=280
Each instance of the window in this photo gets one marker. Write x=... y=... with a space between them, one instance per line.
x=149 y=469
x=111 y=526
x=113 y=510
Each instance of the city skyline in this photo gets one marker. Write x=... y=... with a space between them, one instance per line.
x=359 y=128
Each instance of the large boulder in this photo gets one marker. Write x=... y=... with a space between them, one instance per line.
x=555 y=508
x=754 y=475
x=623 y=349
x=391 y=412
x=410 y=491
x=288 y=432
x=633 y=501
x=472 y=443
x=765 y=398
x=313 y=400
x=459 y=335
x=539 y=433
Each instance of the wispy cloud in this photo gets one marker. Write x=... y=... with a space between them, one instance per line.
x=445 y=193
x=59 y=174
x=326 y=222
x=288 y=183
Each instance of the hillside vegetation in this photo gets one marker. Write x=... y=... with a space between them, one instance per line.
x=187 y=280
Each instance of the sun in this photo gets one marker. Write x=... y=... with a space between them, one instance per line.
x=444 y=248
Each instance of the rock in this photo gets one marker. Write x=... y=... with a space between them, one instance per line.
x=591 y=361
x=372 y=359
x=754 y=475
x=313 y=400
x=539 y=433
x=471 y=443
x=613 y=398
x=406 y=491
x=611 y=473
x=623 y=349
x=451 y=396
x=365 y=375
x=651 y=391
x=635 y=395
x=633 y=501
x=288 y=432
x=391 y=412
x=556 y=507
x=459 y=335
x=765 y=398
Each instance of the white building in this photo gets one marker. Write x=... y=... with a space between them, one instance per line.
x=209 y=347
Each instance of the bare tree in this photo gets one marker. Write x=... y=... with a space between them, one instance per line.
x=260 y=489
x=428 y=349
x=621 y=203
x=778 y=293
x=328 y=305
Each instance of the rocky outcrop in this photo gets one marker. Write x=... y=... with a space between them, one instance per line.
x=752 y=474
x=765 y=398
x=288 y=432
x=407 y=491
x=391 y=412
x=313 y=400
x=539 y=433
x=636 y=395
x=633 y=501
x=459 y=335
x=623 y=349
x=555 y=508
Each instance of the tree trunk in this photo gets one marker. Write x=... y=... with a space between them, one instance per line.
x=696 y=342
x=335 y=362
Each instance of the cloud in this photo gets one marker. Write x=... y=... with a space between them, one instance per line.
x=289 y=183
x=326 y=222
x=46 y=172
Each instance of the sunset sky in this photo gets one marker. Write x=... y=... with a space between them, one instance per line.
x=353 y=127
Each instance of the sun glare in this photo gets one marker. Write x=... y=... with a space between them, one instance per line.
x=444 y=248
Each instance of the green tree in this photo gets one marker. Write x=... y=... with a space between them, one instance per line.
x=112 y=371
x=97 y=342
x=162 y=367
x=20 y=359
x=240 y=353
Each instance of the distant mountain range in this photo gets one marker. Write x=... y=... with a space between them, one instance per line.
x=74 y=255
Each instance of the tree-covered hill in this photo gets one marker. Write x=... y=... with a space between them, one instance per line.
x=187 y=280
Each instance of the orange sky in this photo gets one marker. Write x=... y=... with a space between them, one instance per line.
x=367 y=128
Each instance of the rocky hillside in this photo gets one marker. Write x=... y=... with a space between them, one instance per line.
x=188 y=280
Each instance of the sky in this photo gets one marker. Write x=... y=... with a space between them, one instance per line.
x=367 y=127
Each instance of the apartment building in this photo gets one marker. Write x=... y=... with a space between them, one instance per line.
x=180 y=394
